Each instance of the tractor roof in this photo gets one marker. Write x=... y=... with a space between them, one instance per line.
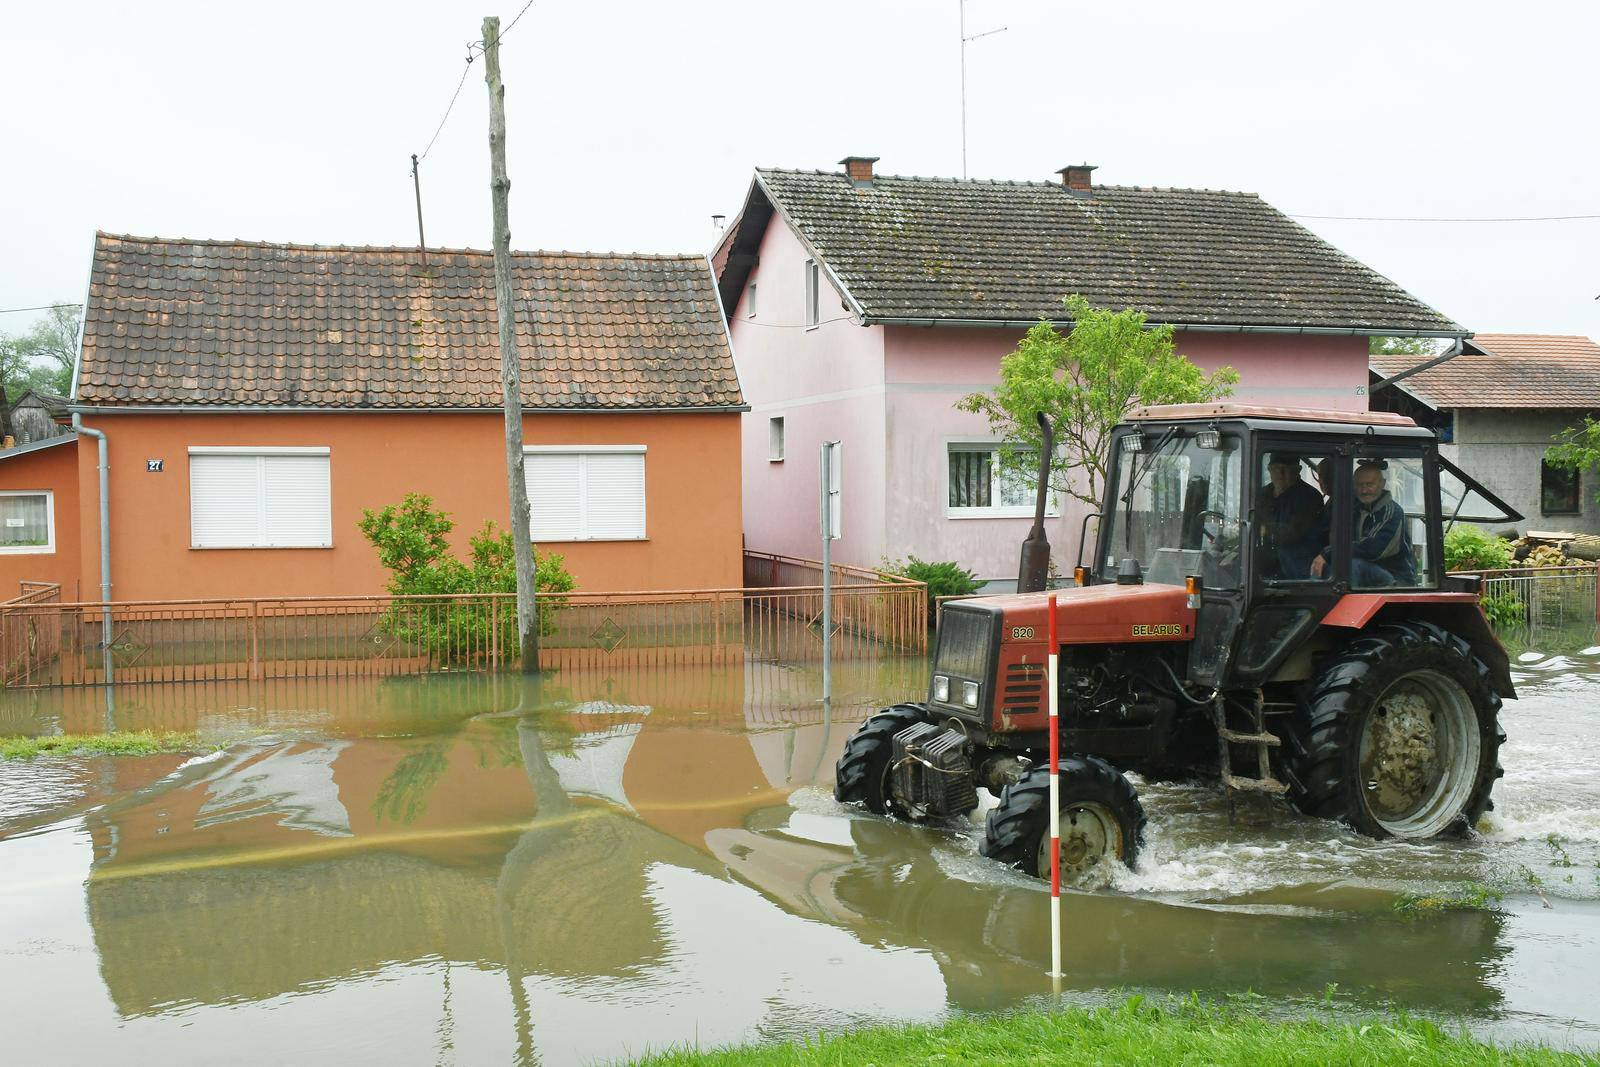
x=1210 y=412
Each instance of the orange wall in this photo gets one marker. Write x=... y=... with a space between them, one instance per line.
x=52 y=468
x=692 y=509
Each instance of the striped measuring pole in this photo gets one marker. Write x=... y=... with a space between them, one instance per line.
x=1055 y=797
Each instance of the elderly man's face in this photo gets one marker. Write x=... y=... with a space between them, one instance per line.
x=1369 y=484
x=1284 y=476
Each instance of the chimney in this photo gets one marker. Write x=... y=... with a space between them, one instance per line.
x=1075 y=177
x=860 y=169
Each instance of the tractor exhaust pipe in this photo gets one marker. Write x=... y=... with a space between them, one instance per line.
x=1033 y=574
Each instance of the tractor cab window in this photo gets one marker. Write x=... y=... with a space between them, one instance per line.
x=1174 y=507
x=1389 y=546
x=1290 y=514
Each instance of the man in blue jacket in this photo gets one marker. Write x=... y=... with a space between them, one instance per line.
x=1381 y=554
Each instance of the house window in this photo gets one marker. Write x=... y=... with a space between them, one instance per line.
x=259 y=498
x=750 y=301
x=813 y=293
x=775 y=439
x=28 y=522
x=1559 y=490
x=979 y=487
x=586 y=493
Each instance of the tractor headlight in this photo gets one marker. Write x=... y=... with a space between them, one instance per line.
x=941 y=689
x=969 y=694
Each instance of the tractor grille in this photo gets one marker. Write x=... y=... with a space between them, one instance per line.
x=1023 y=688
x=932 y=771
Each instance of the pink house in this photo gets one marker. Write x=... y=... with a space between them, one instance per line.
x=862 y=306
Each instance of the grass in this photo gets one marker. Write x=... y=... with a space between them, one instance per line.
x=119 y=743
x=1473 y=896
x=1188 y=1031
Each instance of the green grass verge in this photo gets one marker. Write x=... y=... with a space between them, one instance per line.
x=120 y=743
x=1137 y=1032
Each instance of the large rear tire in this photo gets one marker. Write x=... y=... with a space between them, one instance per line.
x=1102 y=822
x=1399 y=736
x=862 y=774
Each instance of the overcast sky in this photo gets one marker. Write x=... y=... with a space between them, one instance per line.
x=631 y=123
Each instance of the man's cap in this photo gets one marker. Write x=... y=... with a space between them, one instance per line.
x=1292 y=459
x=1372 y=465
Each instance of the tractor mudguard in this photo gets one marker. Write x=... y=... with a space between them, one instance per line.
x=1457 y=613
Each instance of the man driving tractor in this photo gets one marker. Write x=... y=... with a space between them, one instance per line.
x=1381 y=553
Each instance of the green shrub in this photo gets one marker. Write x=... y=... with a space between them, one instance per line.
x=1503 y=610
x=946 y=578
x=412 y=540
x=1467 y=548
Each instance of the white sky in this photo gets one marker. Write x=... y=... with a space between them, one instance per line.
x=631 y=123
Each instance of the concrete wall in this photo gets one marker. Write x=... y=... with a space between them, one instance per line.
x=55 y=469
x=692 y=503
x=1502 y=448
x=826 y=382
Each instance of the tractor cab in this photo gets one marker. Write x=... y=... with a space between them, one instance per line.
x=1277 y=514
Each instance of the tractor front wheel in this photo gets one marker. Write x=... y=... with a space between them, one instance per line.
x=1398 y=736
x=862 y=774
x=1102 y=822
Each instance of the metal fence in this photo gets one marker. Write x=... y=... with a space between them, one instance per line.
x=45 y=642
x=1544 y=598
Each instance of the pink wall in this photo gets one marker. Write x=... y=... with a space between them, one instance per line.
x=826 y=382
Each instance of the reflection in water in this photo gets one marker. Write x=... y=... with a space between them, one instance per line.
x=585 y=865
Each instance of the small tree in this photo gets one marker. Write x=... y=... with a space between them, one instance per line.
x=412 y=540
x=43 y=357
x=1577 y=448
x=1086 y=382
x=1404 y=346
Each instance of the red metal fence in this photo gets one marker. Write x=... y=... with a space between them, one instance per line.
x=45 y=642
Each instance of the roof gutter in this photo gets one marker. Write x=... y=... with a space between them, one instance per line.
x=105 y=542
x=290 y=409
x=1455 y=350
x=1197 y=327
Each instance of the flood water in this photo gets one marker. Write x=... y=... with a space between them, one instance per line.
x=480 y=870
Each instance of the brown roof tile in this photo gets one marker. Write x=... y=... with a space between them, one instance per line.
x=231 y=323
x=1518 y=370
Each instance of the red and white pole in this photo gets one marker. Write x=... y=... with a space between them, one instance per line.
x=1055 y=796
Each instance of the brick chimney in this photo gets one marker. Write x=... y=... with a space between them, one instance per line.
x=859 y=168
x=1075 y=177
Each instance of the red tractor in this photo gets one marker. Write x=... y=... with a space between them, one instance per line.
x=1266 y=602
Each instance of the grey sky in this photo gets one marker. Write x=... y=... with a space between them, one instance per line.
x=631 y=123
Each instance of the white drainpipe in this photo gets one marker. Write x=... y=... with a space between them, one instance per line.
x=105 y=540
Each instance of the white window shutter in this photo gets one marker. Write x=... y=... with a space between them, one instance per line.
x=554 y=496
x=296 y=502
x=614 y=495
x=223 y=496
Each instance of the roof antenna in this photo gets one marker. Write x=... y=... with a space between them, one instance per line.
x=416 y=181
x=964 y=39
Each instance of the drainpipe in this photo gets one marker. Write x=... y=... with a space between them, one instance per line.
x=105 y=541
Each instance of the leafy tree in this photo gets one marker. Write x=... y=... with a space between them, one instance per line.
x=1086 y=382
x=1467 y=548
x=43 y=357
x=1577 y=448
x=412 y=540
x=1404 y=346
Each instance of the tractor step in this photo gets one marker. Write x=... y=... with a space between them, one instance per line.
x=1255 y=785
x=1250 y=739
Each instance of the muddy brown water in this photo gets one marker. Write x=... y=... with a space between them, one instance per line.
x=479 y=870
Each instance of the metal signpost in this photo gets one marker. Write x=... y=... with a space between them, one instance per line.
x=1055 y=800
x=831 y=470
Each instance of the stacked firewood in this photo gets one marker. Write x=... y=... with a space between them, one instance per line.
x=1555 y=550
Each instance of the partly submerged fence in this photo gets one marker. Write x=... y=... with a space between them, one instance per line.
x=1543 y=598
x=45 y=642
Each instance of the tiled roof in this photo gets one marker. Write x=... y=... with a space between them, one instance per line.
x=1517 y=370
x=231 y=323
x=948 y=249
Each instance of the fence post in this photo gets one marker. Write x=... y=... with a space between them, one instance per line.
x=494 y=631
x=255 y=640
x=1597 y=591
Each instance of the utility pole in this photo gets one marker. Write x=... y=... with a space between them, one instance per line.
x=416 y=182
x=510 y=364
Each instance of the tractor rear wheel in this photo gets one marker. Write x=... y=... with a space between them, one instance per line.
x=1102 y=822
x=1399 y=736
x=862 y=773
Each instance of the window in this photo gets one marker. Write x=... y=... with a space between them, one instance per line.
x=1389 y=516
x=587 y=493
x=1559 y=490
x=1293 y=516
x=775 y=440
x=29 y=522
x=750 y=301
x=980 y=487
x=813 y=293
x=259 y=498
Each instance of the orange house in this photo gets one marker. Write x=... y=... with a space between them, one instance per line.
x=256 y=399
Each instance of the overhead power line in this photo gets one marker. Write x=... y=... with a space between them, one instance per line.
x=1385 y=218
x=474 y=50
x=38 y=307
